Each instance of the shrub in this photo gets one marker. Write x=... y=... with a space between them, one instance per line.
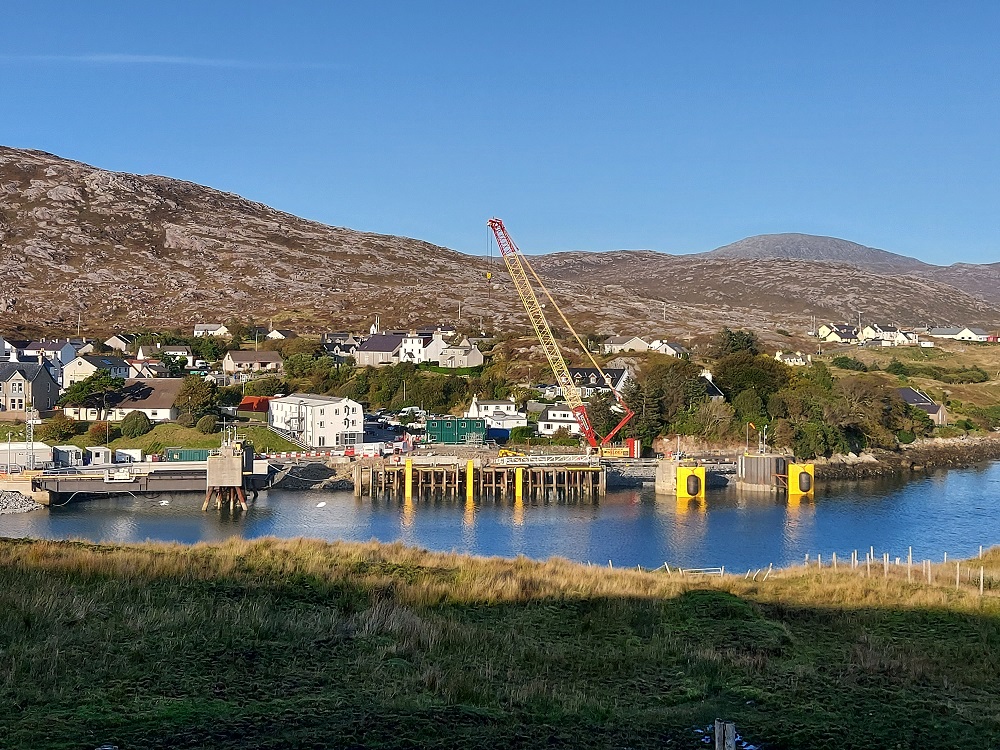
x=563 y=436
x=905 y=437
x=897 y=368
x=136 y=424
x=521 y=434
x=57 y=429
x=207 y=424
x=101 y=433
x=849 y=363
x=185 y=420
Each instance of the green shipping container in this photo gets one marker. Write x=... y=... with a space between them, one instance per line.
x=456 y=431
x=185 y=454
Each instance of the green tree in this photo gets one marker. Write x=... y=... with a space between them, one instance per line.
x=175 y=365
x=207 y=424
x=897 y=368
x=744 y=371
x=196 y=397
x=266 y=386
x=730 y=342
x=521 y=434
x=92 y=392
x=135 y=424
x=749 y=407
x=714 y=420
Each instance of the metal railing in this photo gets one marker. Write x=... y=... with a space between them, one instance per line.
x=548 y=460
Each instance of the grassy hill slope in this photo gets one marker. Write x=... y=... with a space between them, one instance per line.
x=276 y=644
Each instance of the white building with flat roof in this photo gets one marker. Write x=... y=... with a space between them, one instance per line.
x=318 y=421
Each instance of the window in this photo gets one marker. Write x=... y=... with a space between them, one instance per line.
x=322 y=439
x=153 y=413
x=17 y=386
x=322 y=425
x=321 y=411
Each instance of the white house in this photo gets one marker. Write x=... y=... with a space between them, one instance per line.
x=959 y=334
x=885 y=333
x=83 y=367
x=276 y=334
x=155 y=397
x=590 y=381
x=412 y=348
x=618 y=344
x=318 y=421
x=151 y=351
x=247 y=361
x=121 y=341
x=793 y=360
x=838 y=334
x=670 y=348
x=62 y=350
x=556 y=417
x=500 y=415
x=210 y=329
x=140 y=369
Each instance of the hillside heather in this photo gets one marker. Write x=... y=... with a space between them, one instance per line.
x=123 y=251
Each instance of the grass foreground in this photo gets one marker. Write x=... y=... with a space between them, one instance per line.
x=282 y=644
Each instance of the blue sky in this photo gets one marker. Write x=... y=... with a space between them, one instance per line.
x=670 y=126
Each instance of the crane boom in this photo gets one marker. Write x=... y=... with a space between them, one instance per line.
x=516 y=266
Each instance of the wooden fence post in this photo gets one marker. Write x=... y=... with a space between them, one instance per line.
x=725 y=735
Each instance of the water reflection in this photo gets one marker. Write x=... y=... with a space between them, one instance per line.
x=951 y=512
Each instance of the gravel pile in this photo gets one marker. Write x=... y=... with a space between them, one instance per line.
x=15 y=502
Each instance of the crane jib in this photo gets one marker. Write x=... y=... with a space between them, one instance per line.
x=516 y=264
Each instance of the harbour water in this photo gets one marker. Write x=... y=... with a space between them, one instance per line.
x=951 y=512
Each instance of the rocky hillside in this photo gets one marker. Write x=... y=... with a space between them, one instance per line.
x=124 y=251
x=979 y=280
x=767 y=292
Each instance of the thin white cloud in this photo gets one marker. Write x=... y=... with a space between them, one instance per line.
x=125 y=59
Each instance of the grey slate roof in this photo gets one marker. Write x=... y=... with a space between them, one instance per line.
x=382 y=342
x=28 y=370
x=102 y=362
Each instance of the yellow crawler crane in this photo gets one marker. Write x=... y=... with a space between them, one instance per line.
x=516 y=265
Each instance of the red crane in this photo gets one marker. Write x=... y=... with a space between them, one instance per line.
x=516 y=265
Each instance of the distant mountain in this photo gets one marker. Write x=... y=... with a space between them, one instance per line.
x=815 y=248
